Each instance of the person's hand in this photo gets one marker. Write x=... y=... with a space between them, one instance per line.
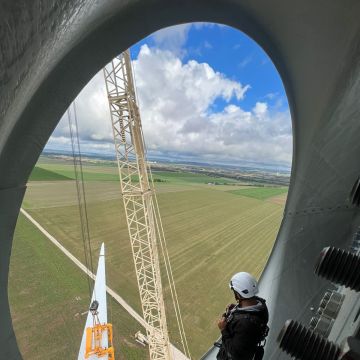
x=230 y=307
x=222 y=323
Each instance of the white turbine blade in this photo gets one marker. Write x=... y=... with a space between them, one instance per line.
x=99 y=294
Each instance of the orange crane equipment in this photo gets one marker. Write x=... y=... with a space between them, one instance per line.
x=95 y=335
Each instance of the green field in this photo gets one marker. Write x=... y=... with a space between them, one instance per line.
x=90 y=173
x=110 y=173
x=211 y=233
x=40 y=174
x=261 y=193
x=49 y=315
x=192 y=178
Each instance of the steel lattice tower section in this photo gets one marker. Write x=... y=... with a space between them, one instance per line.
x=138 y=194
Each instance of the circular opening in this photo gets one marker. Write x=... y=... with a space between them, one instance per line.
x=218 y=132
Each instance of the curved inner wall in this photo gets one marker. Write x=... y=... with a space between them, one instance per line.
x=317 y=57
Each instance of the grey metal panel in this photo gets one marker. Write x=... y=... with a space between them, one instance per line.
x=10 y=202
x=49 y=50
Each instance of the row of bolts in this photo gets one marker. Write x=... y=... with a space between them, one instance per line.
x=341 y=267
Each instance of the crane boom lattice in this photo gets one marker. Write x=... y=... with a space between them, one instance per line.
x=137 y=193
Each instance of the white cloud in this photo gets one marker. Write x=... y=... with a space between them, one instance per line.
x=253 y=135
x=260 y=109
x=176 y=99
x=271 y=96
x=246 y=61
x=172 y=38
x=92 y=113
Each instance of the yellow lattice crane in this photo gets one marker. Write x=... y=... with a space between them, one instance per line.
x=141 y=208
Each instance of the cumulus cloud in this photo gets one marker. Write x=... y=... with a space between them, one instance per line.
x=92 y=113
x=176 y=101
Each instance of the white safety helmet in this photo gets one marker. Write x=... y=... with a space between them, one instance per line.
x=244 y=284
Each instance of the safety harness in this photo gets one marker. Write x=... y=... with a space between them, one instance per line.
x=237 y=313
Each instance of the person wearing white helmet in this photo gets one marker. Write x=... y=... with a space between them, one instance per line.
x=243 y=326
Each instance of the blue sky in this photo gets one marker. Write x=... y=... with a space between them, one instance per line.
x=207 y=92
x=234 y=54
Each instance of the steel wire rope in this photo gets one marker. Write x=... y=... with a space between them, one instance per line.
x=172 y=286
x=170 y=276
x=164 y=249
x=163 y=245
x=80 y=190
x=83 y=190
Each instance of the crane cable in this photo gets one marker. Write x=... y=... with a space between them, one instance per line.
x=169 y=274
x=81 y=195
x=163 y=245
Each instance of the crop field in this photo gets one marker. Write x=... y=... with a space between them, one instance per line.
x=91 y=173
x=211 y=233
x=41 y=174
x=192 y=178
x=261 y=193
x=110 y=173
x=49 y=315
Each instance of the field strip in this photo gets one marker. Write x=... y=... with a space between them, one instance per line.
x=245 y=231
x=178 y=355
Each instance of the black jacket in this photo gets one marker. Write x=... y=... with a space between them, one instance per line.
x=244 y=331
